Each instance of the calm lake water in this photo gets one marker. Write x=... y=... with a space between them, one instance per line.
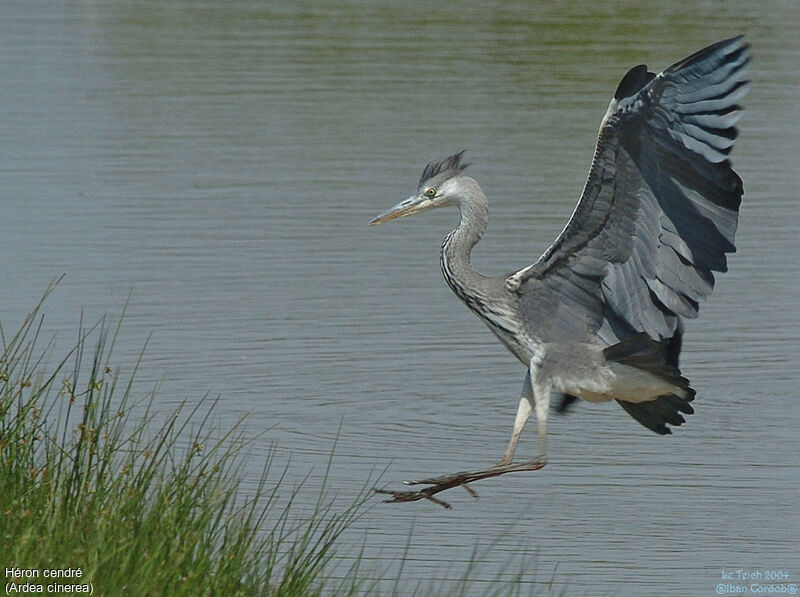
x=218 y=163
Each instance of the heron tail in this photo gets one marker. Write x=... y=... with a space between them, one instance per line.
x=659 y=359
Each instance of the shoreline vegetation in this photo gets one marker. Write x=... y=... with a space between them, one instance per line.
x=98 y=495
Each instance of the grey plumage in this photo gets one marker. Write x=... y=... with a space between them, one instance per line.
x=438 y=171
x=599 y=315
x=659 y=209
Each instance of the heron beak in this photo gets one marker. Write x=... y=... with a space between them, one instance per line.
x=412 y=205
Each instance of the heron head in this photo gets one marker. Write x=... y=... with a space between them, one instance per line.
x=438 y=187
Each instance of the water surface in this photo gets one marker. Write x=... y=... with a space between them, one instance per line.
x=218 y=163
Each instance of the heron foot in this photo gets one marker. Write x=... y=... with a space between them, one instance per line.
x=462 y=479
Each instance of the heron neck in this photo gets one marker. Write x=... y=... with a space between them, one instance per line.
x=456 y=265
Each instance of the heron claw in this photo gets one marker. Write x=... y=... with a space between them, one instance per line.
x=411 y=496
x=462 y=479
x=470 y=491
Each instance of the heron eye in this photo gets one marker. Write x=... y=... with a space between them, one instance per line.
x=430 y=192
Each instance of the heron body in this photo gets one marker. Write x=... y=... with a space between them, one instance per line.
x=600 y=315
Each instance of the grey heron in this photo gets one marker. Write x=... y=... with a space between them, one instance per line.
x=600 y=315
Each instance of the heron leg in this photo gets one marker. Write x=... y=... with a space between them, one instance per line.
x=542 y=399
x=524 y=411
x=535 y=398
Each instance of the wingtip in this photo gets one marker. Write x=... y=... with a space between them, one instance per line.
x=633 y=81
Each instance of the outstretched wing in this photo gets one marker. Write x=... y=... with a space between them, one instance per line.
x=658 y=212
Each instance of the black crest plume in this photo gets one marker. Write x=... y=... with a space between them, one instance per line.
x=443 y=169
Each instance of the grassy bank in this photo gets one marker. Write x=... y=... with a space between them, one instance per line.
x=96 y=494
x=137 y=508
